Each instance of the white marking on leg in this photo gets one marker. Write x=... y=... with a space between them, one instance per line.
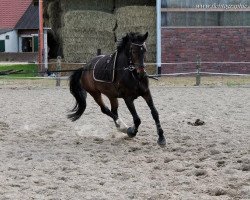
x=121 y=125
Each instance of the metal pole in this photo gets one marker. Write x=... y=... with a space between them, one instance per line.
x=58 y=68
x=198 y=67
x=40 y=53
x=158 y=37
x=46 y=48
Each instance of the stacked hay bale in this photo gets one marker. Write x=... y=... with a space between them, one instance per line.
x=96 y=5
x=85 y=32
x=87 y=26
x=138 y=19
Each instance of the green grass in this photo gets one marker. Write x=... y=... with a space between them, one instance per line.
x=29 y=70
x=232 y=84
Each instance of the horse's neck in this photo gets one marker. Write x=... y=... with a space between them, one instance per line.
x=122 y=60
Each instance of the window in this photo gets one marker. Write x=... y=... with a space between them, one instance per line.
x=7 y=37
x=205 y=13
x=2 y=45
x=26 y=44
x=29 y=43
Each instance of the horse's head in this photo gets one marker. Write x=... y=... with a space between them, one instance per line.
x=135 y=48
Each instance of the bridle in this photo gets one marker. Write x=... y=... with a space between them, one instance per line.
x=132 y=66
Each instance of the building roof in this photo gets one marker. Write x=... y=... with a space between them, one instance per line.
x=11 y=11
x=30 y=19
x=2 y=31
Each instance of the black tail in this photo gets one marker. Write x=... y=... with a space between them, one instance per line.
x=80 y=95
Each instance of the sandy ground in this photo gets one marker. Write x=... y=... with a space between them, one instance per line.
x=45 y=156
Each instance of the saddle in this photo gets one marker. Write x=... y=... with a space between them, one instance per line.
x=104 y=68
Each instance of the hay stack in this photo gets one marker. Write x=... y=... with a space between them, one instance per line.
x=96 y=5
x=89 y=20
x=138 y=19
x=91 y=24
x=85 y=32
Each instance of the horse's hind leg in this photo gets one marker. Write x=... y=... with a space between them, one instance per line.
x=121 y=126
x=98 y=98
x=149 y=100
x=114 y=106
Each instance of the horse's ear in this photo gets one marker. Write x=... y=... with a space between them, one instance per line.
x=145 y=36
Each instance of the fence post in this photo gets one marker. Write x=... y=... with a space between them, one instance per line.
x=58 y=68
x=198 y=69
x=99 y=52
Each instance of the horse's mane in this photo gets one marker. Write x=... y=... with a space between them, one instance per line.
x=134 y=37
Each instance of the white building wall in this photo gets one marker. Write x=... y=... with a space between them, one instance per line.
x=11 y=44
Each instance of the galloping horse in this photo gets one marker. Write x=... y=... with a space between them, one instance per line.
x=119 y=75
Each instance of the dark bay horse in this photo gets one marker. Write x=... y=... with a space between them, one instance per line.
x=128 y=81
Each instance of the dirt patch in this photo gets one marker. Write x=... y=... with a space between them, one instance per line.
x=197 y=122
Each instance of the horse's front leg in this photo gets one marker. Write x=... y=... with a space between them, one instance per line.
x=148 y=98
x=120 y=125
x=131 y=131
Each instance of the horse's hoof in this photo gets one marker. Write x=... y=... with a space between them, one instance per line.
x=162 y=141
x=131 y=132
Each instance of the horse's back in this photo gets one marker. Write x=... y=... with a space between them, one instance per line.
x=98 y=76
x=104 y=68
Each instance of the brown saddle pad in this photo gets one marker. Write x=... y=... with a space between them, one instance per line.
x=104 y=68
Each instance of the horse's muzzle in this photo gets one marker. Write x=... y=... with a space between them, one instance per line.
x=141 y=72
